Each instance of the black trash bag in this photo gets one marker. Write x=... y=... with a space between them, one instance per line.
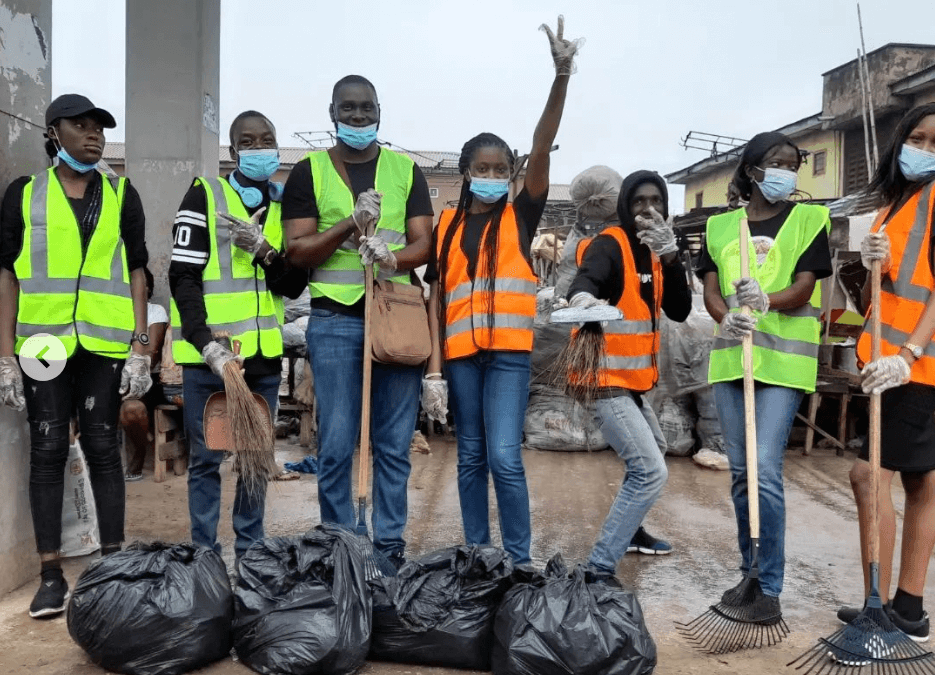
x=153 y=609
x=302 y=605
x=439 y=610
x=561 y=623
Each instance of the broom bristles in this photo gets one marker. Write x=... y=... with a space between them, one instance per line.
x=577 y=368
x=251 y=433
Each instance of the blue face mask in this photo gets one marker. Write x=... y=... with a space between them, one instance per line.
x=777 y=184
x=80 y=167
x=358 y=138
x=489 y=190
x=916 y=165
x=258 y=164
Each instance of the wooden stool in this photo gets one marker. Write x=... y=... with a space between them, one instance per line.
x=168 y=446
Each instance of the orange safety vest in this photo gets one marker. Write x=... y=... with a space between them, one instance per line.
x=631 y=343
x=466 y=300
x=907 y=286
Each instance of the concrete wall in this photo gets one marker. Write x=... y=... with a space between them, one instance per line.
x=25 y=90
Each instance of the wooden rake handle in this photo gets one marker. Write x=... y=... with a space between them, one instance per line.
x=749 y=399
x=364 y=468
x=874 y=458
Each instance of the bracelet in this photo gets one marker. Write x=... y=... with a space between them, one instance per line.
x=429 y=376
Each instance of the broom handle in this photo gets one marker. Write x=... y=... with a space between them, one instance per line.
x=875 y=335
x=749 y=400
x=365 y=389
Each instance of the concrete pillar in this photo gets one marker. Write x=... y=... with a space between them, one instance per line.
x=25 y=90
x=172 y=88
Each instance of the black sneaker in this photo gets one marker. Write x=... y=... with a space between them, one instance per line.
x=918 y=631
x=645 y=543
x=596 y=575
x=397 y=559
x=50 y=598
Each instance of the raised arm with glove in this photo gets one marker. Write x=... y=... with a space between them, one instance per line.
x=246 y=235
x=656 y=233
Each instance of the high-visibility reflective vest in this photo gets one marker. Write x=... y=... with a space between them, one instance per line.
x=785 y=342
x=467 y=326
x=907 y=286
x=80 y=297
x=236 y=298
x=631 y=344
x=341 y=276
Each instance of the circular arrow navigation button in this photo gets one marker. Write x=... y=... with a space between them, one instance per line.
x=42 y=357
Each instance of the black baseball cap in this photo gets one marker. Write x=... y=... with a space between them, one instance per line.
x=75 y=105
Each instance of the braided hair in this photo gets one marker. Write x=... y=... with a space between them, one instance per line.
x=490 y=241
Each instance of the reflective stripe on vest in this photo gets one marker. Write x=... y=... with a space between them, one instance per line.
x=80 y=296
x=785 y=343
x=906 y=287
x=341 y=276
x=511 y=296
x=631 y=343
x=236 y=298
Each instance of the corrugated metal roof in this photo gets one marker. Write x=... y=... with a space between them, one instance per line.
x=559 y=193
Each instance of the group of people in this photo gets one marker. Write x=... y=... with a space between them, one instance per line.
x=73 y=265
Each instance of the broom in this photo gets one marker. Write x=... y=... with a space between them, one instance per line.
x=742 y=620
x=870 y=639
x=251 y=431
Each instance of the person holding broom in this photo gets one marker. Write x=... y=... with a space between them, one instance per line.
x=485 y=338
x=72 y=255
x=635 y=267
x=901 y=239
x=227 y=280
x=789 y=253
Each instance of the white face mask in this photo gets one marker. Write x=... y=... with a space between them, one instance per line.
x=777 y=184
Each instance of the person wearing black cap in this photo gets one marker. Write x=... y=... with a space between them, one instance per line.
x=634 y=266
x=72 y=255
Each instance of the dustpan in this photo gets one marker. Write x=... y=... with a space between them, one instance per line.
x=217 y=423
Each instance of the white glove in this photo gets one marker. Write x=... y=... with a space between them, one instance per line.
x=135 y=380
x=749 y=294
x=367 y=209
x=245 y=234
x=876 y=246
x=884 y=373
x=374 y=250
x=11 y=384
x=216 y=355
x=435 y=398
x=736 y=326
x=583 y=300
x=563 y=51
x=656 y=233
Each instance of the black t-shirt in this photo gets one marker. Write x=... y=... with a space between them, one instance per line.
x=298 y=201
x=816 y=258
x=528 y=213
x=132 y=222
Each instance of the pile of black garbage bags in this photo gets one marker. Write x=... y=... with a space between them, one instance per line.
x=304 y=605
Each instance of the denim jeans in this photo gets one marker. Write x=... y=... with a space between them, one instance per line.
x=489 y=392
x=632 y=430
x=89 y=384
x=335 y=350
x=204 y=476
x=775 y=411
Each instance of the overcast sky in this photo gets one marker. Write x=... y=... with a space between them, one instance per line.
x=445 y=71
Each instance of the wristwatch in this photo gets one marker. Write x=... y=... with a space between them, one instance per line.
x=270 y=257
x=915 y=350
x=142 y=338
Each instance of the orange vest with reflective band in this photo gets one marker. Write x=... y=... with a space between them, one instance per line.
x=906 y=287
x=631 y=343
x=466 y=300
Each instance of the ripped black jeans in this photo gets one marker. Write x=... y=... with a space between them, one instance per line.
x=89 y=384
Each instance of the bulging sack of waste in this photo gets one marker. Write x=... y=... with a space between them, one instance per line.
x=439 y=610
x=559 y=623
x=302 y=606
x=153 y=609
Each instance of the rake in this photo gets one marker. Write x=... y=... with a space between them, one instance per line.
x=871 y=640
x=744 y=619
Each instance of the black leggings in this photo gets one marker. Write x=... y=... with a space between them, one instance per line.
x=88 y=383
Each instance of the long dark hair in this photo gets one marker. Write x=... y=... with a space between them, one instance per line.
x=888 y=181
x=642 y=256
x=753 y=153
x=490 y=241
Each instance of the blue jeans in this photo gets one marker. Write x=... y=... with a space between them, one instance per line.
x=204 y=476
x=775 y=411
x=489 y=392
x=335 y=350
x=632 y=430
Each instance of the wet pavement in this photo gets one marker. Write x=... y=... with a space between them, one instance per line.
x=570 y=495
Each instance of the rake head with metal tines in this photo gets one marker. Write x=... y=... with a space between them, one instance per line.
x=870 y=644
x=744 y=619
